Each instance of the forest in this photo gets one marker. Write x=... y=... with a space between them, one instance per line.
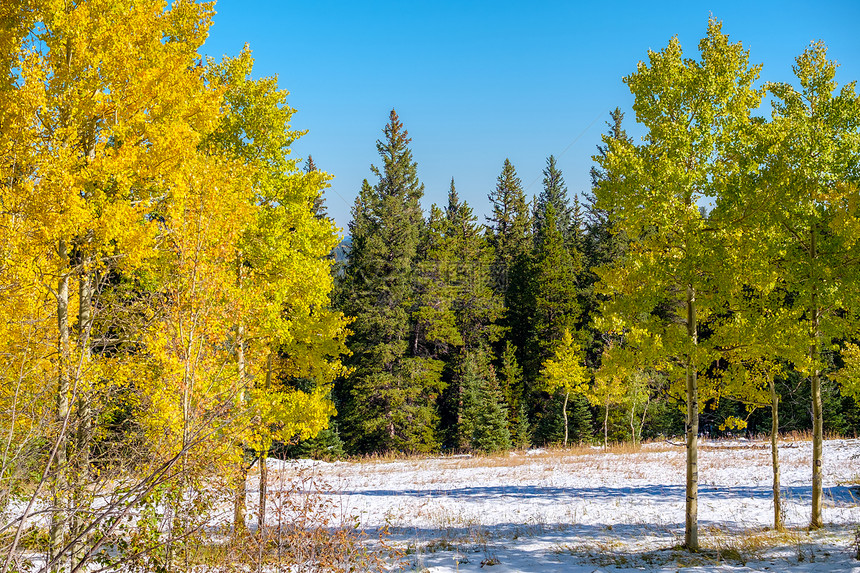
x=172 y=310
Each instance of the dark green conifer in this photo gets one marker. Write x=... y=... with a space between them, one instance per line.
x=511 y=378
x=602 y=245
x=388 y=402
x=554 y=193
x=459 y=309
x=509 y=234
x=509 y=226
x=555 y=309
x=319 y=208
x=483 y=424
x=555 y=290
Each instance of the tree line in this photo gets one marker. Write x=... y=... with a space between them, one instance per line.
x=706 y=280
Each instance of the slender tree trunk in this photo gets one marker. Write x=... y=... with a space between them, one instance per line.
x=241 y=491
x=817 y=415
x=59 y=523
x=633 y=422
x=242 y=471
x=81 y=462
x=264 y=469
x=85 y=321
x=691 y=533
x=606 y=426
x=564 y=413
x=264 y=488
x=241 y=486
x=774 y=454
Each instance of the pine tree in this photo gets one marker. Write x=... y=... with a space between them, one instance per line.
x=477 y=306
x=555 y=291
x=388 y=403
x=509 y=234
x=512 y=384
x=602 y=243
x=484 y=418
x=458 y=309
x=509 y=227
x=555 y=193
x=319 y=208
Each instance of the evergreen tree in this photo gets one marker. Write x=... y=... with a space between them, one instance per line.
x=436 y=274
x=455 y=268
x=555 y=193
x=509 y=234
x=319 y=208
x=577 y=225
x=555 y=301
x=512 y=384
x=483 y=424
x=602 y=243
x=458 y=310
x=388 y=401
x=520 y=432
x=509 y=226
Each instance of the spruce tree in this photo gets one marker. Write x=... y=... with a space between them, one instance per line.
x=319 y=208
x=511 y=376
x=458 y=309
x=483 y=424
x=555 y=310
x=555 y=289
x=509 y=234
x=509 y=226
x=555 y=193
x=387 y=403
x=602 y=244
x=478 y=308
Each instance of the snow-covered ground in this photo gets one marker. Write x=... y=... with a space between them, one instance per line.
x=585 y=511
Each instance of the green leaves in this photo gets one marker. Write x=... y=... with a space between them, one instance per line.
x=566 y=369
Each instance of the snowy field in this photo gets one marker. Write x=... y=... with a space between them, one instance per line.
x=589 y=511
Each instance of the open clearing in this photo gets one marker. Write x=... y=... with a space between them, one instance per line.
x=586 y=510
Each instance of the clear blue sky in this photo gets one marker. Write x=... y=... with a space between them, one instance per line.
x=476 y=82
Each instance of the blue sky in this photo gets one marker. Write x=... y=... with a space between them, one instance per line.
x=476 y=82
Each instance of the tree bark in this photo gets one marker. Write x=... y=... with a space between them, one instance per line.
x=606 y=425
x=240 y=492
x=774 y=454
x=85 y=321
x=80 y=463
x=691 y=532
x=633 y=422
x=242 y=471
x=564 y=413
x=59 y=523
x=264 y=489
x=817 y=415
x=264 y=469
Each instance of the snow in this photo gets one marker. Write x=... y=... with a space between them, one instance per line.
x=590 y=511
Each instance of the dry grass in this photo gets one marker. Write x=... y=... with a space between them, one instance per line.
x=718 y=545
x=750 y=544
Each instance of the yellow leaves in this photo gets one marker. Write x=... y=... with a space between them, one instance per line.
x=849 y=375
x=566 y=370
x=291 y=415
x=733 y=423
x=206 y=260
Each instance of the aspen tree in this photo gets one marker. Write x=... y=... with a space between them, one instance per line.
x=691 y=109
